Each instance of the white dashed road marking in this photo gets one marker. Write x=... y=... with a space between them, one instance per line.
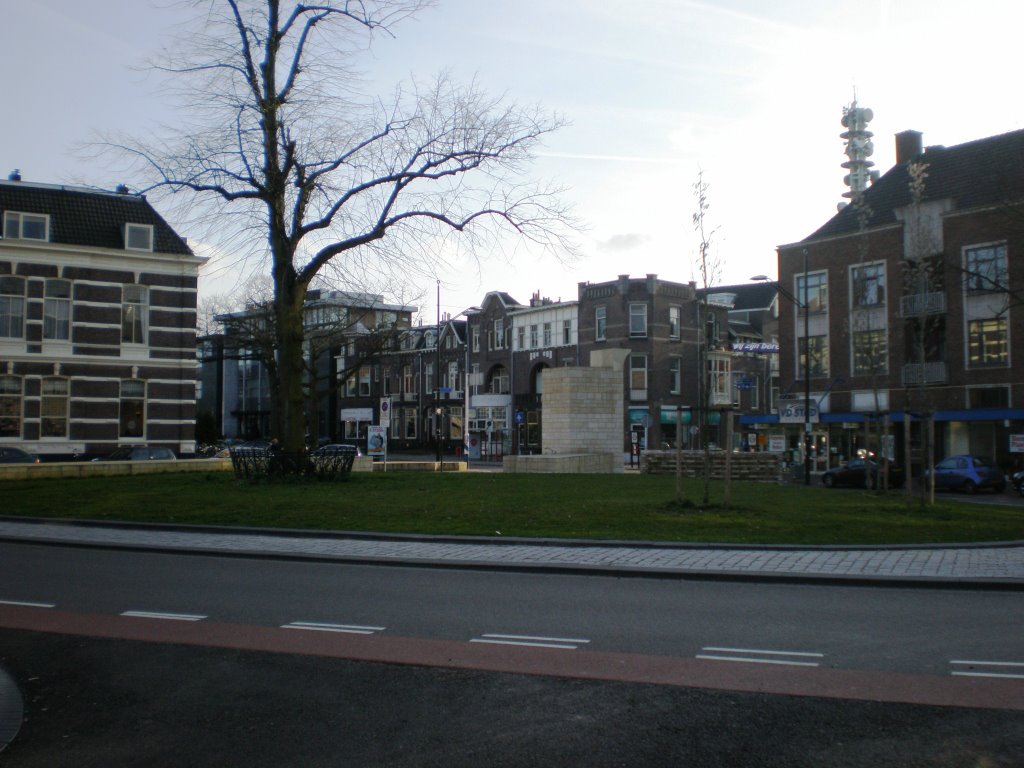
x=564 y=643
x=351 y=629
x=760 y=656
x=160 y=615
x=1012 y=670
x=27 y=604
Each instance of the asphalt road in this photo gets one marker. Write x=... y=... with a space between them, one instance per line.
x=151 y=659
x=906 y=630
x=108 y=702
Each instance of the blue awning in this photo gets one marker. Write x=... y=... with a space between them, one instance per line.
x=965 y=414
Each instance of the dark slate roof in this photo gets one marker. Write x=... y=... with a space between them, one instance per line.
x=749 y=296
x=90 y=218
x=981 y=173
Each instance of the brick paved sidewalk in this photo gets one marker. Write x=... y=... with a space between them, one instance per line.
x=970 y=564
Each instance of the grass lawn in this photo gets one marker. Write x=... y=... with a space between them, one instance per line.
x=566 y=506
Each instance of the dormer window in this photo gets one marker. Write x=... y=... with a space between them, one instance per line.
x=26 y=226
x=138 y=237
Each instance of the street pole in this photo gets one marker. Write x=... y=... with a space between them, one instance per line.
x=807 y=379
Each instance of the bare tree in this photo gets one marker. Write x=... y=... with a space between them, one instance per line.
x=278 y=145
x=709 y=270
x=923 y=275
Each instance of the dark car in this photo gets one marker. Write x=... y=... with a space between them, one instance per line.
x=1018 y=482
x=11 y=455
x=140 y=453
x=861 y=473
x=968 y=474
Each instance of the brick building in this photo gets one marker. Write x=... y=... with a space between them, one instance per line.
x=911 y=304
x=663 y=327
x=97 y=323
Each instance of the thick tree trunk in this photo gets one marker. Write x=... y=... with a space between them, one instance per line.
x=290 y=408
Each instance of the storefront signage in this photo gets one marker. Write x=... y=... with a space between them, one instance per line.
x=793 y=412
x=755 y=348
x=1016 y=443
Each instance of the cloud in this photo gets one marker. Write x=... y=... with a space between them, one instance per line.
x=627 y=242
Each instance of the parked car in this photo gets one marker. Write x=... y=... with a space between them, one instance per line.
x=225 y=453
x=329 y=448
x=1018 y=482
x=11 y=455
x=861 y=473
x=139 y=453
x=968 y=474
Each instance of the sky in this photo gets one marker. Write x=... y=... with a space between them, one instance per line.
x=749 y=94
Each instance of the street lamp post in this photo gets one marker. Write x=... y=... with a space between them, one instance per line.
x=803 y=305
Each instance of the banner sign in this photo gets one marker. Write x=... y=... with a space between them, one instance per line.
x=376 y=441
x=793 y=412
x=385 y=411
x=756 y=348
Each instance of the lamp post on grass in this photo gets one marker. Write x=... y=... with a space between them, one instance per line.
x=803 y=305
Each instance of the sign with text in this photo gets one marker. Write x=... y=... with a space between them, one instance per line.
x=385 y=411
x=776 y=443
x=1016 y=443
x=793 y=412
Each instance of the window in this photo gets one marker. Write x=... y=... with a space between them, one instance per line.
x=134 y=310
x=985 y=269
x=987 y=343
x=870 y=352
x=428 y=376
x=409 y=420
x=819 y=356
x=637 y=320
x=499 y=384
x=813 y=295
x=533 y=337
x=364 y=381
x=567 y=332
x=638 y=377
x=674 y=322
x=138 y=237
x=719 y=379
x=26 y=226
x=476 y=338
x=600 y=323
x=12 y=307
x=868 y=285
x=10 y=406
x=547 y=334
x=133 y=408
x=57 y=310
x=521 y=333
x=408 y=380
x=988 y=397
x=453 y=376
x=498 y=334
x=676 y=376
x=54 y=408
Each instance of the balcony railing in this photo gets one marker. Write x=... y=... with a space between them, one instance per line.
x=924 y=373
x=923 y=304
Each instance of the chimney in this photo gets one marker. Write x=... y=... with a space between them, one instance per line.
x=908 y=146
